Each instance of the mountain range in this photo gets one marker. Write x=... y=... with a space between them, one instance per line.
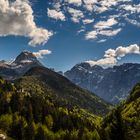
x=59 y=87
x=113 y=84
x=32 y=75
x=37 y=103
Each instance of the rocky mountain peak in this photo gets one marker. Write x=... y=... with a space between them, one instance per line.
x=112 y=84
x=23 y=62
x=25 y=56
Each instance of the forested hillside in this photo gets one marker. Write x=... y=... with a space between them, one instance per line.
x=45 y=81
x=35 y=116
x=28 y=112
x=123 y=123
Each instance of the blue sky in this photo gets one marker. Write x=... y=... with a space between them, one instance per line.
x=73 y=30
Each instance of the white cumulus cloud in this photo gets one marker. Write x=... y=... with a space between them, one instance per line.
x=131 y=8
x=42 y=53
x=103 y=28
x=91 y=35
x=58 y=15
x=76 y=15
x=106 y=24
x=110 y=32
x=16 y=18
x=112 y=56
x=88 y=21
x=75 y=2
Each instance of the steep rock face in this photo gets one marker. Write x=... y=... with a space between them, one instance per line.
x=23 y=62
x=25 y=57
x=112 y=84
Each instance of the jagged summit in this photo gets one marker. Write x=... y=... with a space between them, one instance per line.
x=25 y=56
x=112 y=84
x=87 y=66
x=23 y=62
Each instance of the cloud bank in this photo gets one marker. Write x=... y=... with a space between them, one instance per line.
x=108 y=17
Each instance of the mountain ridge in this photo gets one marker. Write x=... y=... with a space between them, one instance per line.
x=63 y=88
x=112 y=84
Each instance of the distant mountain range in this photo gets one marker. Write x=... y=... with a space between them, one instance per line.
x=32 y=75
x=112 y=84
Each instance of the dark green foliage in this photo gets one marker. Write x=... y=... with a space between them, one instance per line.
x=45 y=81
x=28 y=112
x=33 y=115
x=123 y=123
